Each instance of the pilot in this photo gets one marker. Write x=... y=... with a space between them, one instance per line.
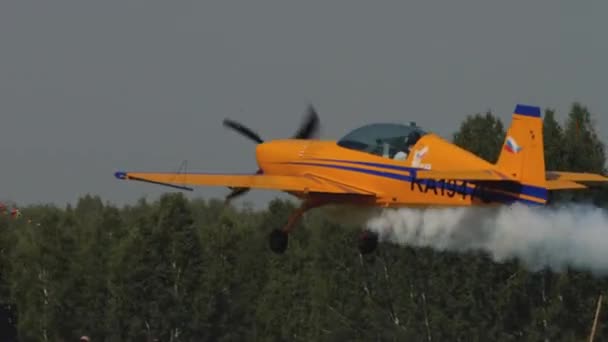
x=402 y=150
x=401 y=155
x=412 y=139
x=409 y=142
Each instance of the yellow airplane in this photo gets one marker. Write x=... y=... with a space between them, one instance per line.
x=389 y=165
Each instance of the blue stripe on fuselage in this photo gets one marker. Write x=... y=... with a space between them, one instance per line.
x=488 y=193
x=510 y=186
x=379 y=165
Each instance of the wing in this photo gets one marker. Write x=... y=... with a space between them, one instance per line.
x=305 y=183
x=477 y=175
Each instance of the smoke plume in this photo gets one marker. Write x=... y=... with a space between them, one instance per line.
x=573 y=236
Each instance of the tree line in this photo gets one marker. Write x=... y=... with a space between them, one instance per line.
x=195 y=270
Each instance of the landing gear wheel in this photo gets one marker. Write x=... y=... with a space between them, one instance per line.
x=368 y=241
x=278 y=241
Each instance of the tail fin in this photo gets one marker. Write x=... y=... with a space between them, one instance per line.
x=523 y=153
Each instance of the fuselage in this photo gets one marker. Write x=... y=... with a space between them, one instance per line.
x=393 y=181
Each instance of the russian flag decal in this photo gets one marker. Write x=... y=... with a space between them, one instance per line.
x=512 y=146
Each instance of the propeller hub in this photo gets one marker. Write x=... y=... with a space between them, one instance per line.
x=276 y=156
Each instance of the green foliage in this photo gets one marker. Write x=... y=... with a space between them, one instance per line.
x=181 y=270
x=584 y=150
x=555 y=148
x=481 y=134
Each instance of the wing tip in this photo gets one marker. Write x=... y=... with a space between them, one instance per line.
x=120 y=175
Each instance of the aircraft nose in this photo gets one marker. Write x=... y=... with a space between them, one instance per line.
x=266 y=152
x=276 y=151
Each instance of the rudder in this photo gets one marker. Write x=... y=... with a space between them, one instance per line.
x=523 y=154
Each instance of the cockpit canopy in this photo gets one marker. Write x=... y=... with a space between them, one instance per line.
x=383 y=139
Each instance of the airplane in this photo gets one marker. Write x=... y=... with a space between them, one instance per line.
x=388 y=165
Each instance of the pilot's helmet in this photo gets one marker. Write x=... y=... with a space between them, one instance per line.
x=413 y=138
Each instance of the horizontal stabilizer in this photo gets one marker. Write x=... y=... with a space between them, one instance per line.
x=576 y=176
x=563 y=185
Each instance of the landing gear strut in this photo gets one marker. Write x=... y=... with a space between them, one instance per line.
x=278 y=238
x=368 y=241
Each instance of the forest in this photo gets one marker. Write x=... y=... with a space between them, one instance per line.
x=177 y=269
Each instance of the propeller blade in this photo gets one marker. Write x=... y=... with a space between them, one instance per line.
x=308 y=130
x=310 y=126
x=236 y=192
x=243 y=130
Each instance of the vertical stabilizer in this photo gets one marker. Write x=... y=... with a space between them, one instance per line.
x=523 y=155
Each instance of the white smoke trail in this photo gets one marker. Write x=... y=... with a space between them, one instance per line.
x=569 y=236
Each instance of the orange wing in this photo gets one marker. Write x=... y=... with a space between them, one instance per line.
x=307 y=183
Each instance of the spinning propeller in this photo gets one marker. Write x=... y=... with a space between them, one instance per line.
x=308 y=130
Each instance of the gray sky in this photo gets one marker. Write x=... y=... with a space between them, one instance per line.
x=90 y=87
